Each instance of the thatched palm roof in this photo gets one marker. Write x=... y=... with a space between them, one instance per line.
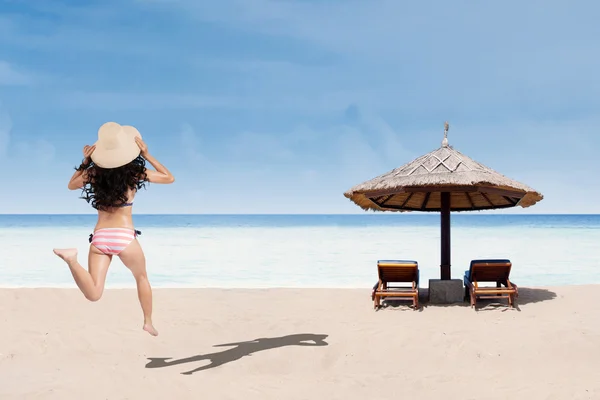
x=416 y=186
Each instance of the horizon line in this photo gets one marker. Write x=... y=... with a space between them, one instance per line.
x=307 y=214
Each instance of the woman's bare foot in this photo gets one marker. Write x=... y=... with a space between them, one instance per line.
x=148 y=327
x=67 y=255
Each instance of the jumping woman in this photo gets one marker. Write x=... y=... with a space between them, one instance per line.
x=112 y=171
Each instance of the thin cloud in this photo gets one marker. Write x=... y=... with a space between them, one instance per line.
x=256 y=147
x=141 y=101
x=36 y=151
x=10 y=76
x=334 y=24
x=5 y=128
x=86 y=29
x=426 y=60
x=129 y=101
x=191 y=144
x=343 y=152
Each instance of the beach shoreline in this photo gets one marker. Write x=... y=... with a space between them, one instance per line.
x=366 y=287
x=304 y=251
x=312 y=343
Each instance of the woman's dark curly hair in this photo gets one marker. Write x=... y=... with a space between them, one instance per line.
x=107 y=187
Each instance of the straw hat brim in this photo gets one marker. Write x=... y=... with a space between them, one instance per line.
x=116 y=145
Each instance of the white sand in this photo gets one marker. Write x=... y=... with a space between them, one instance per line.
x=56 y=345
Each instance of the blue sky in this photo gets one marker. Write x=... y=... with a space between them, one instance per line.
x=263 y=106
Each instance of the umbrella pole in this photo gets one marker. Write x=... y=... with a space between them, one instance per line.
x=445 y=233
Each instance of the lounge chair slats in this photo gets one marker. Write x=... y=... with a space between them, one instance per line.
x=492 y=270
x=392 y=272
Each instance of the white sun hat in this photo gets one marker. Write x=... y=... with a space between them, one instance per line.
x=116 y=145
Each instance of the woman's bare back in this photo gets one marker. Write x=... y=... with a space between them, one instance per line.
x=117 y=217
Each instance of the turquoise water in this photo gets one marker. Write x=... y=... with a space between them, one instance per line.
x=306 y=250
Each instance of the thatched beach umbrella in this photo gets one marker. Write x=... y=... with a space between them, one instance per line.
x=444 y=180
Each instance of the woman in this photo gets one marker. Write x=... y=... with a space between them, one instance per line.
x=112 y=171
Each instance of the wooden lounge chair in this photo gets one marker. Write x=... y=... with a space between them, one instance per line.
x=494 y=270
x=396 y=271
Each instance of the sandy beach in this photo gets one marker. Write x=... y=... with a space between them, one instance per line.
x=297 y=344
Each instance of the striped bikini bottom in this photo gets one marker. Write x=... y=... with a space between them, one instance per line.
x=112 y=241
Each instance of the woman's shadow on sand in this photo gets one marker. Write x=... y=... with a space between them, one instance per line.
x=241 y=349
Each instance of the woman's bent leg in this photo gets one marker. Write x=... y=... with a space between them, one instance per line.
x=133 y=258
x=91 y=283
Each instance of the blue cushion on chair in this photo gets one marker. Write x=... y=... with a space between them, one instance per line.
x=467 y=276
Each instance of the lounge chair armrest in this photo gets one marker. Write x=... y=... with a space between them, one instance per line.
x=469 y=284
x=375 y=288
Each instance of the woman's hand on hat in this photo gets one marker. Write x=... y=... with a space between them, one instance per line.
x=87 y=151
x=143 y=147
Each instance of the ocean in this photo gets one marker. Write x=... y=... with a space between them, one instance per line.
x=336 y=251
